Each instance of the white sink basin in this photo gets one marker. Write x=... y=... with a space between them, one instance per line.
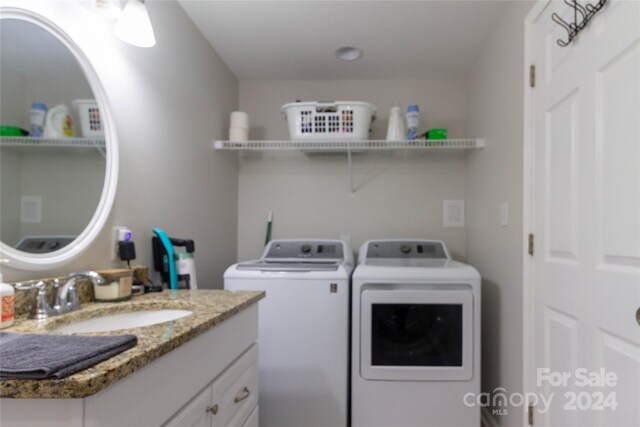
x=114 y=322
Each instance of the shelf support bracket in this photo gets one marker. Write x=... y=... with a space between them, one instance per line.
x=350 y=165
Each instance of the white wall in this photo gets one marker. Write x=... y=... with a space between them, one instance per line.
x=168 y=103
x=69 y=182
x=12 y=110
x=494 y=176
x=397 y=195
x=10 y=179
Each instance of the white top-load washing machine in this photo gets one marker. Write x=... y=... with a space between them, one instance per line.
x=415 y=336
x=303 y=330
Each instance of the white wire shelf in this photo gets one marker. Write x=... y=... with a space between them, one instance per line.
x=346 y=146
x=33 y=142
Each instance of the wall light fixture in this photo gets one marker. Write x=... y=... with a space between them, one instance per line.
x=134 y=25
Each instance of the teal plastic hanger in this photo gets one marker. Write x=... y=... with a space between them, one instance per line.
x=173 y=274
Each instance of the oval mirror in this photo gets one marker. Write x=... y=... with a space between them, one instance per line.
x=58 y=148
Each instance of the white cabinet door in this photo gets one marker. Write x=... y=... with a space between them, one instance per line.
x=235 y=392
x=252 y=421
x=196 y=413
x=228 y=401
x=586 y=216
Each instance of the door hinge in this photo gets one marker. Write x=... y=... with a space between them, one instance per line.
x=532 y=76
x=530 y=414
x=531 y=247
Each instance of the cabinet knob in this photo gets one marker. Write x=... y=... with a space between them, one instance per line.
x=213 y=409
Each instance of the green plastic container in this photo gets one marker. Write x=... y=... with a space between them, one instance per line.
x=10 y=131
x=437 y=134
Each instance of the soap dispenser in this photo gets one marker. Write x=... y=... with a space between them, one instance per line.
x=7 y=294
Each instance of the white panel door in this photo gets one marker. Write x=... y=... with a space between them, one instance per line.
x=586 y=216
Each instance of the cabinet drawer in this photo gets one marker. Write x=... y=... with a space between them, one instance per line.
x=252 y=421
x=235 y=392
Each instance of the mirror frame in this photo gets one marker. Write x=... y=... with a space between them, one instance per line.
x=37 y=262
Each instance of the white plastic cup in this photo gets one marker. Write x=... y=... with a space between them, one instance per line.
x=238 y=134
x=395 y=130
x=239 y=119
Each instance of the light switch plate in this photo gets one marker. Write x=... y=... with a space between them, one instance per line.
x=30 y=209
x=453 y=213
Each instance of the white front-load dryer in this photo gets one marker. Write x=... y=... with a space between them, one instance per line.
x=415 y=354
x=303 y=330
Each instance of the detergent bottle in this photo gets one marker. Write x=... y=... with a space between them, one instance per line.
x=58 y=123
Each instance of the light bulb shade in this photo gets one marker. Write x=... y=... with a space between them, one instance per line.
x=134 y=26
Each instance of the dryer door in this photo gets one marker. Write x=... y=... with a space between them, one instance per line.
x=416 y=335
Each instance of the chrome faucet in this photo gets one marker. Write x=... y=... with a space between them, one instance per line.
x=41 y=308
x=67 y=295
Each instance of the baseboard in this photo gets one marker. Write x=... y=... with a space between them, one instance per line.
x=487 y=419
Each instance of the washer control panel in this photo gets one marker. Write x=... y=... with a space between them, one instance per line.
x=429 y=249
x=305 y=249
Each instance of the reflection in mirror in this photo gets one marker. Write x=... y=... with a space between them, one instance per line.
x=50 y=186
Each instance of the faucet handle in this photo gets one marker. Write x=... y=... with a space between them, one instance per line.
x=73 y=302
x=56 y=295
x=41 y=308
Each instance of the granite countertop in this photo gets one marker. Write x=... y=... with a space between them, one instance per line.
x=209 y=307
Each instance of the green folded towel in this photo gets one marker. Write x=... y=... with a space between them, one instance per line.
x=35 y=356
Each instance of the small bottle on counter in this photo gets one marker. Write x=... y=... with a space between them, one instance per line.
x=413 y=121
x=7 y=310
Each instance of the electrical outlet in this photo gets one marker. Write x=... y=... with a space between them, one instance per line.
x=118 y=234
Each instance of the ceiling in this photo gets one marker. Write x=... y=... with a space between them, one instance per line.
x=296 y=40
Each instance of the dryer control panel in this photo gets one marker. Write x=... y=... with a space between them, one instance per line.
x=403 y=249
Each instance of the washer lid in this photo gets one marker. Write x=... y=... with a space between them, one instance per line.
x=290 y=265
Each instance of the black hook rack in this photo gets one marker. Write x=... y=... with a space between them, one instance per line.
x=585 y=13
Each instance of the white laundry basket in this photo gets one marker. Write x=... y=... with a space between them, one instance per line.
x=90 y=120
x=329 y=121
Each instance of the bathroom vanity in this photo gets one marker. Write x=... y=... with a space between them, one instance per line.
x=197 y=370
